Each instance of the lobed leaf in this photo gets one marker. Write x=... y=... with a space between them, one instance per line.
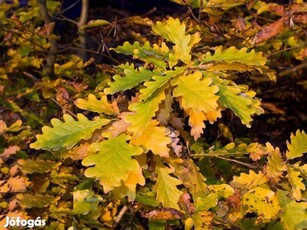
x=154 y=55
x=248 y=181
x=174 y=31
x=111 y=161
x=298 y=145
x=143 y=112
x=241 y=103
x=158 y=82
x=132 y=77
x=233 y=55
x=196 y=92
x=296 y=182
x=95 y=105
x=154 y=138
x=262 y=201
x=68 y=133
x=166 y=187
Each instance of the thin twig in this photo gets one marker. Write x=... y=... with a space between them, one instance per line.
x=293 y=69
x=237 y=162
x=120 y=215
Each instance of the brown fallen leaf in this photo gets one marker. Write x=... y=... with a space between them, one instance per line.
x=269 y=31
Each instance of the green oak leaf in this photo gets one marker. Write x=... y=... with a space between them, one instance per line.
x=68 y=133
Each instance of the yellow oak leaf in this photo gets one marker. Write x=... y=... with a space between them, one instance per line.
x=196 y=92
x=296 y=183
x=248 y=181
x=212 y=116
x=128 y=187
x=196 y=121
x=275 y=166
x=154 y=138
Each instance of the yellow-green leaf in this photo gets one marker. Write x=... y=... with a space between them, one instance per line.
x=68 y=133
x=132 y=77
x=143 y=112
x=233 y=55
x=298 y=145
x=248 y=181
x=196 y=92
x=95 y=23
x=296 y=183
x=154 y=55
x=294 y=216
x=174 y=31
x=111 y=161
x=95 y=105
x=166 y=187
x=241 y=103
x=157 y=82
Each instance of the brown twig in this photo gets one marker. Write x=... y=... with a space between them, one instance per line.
x=120 y=215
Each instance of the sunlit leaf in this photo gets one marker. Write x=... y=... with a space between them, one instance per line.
x=154 y=55
x=263 y=202
x=111 y=161
x=294 y=214
x=296 y=182
x=154 y=138
x=196 y=92
x=132 y=77
x=166 y=187
x=174 y=31
x=68 y=133
x=143 y=112
x=297 y=145
x=95 y=105
x=233 y=55
x=243 y=104
x=248 y=181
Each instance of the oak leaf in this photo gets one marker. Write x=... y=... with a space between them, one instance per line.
x=298 y=145
x=68 y=133
x=128 y=187
x=111 y=161
x=294 y=215
x=262 y=201
x=196 y=92
x=233 y=55
x=166 y=187
x=296 y=182
x=98 y=106
x=248 y=181
x=196 y=122
x=154 y=138
x=143 y=112
x=131 y=78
